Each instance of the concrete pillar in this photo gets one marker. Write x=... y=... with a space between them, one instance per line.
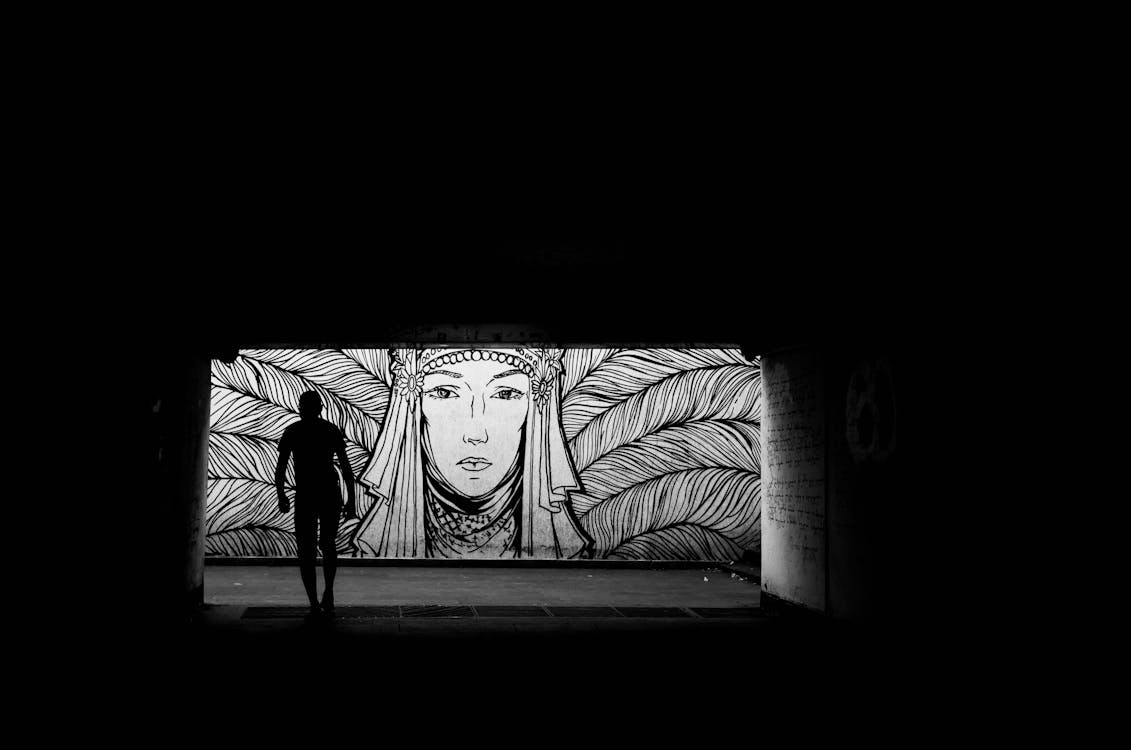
x=833 y=493
x=179 y=445
x=794 y=484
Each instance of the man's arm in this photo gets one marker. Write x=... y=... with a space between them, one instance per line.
x=281 y=473
x=347 y=474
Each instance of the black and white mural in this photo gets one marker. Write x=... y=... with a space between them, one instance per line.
x=500 y=452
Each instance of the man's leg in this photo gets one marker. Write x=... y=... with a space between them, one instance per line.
x=328 y=538
x=306 y=532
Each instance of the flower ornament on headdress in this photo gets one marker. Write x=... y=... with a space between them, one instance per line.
x=549 y=366
x=540 y=389
x=406 y=383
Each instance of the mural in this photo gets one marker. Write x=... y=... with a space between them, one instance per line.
x=500 y=452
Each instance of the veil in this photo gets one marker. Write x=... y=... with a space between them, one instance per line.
x=394 y=525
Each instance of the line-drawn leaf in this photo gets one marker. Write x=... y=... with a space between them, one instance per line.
x=241 y=414
x=726 y=392
x=726 y=501
x=243 y=504
x=251 y=541
x=232 y=503
x=244 y=456
x=680 y=542
x=251 y=457
x=267 y=382
x=690 y=445
x=577 y=363
x=629 y=371
x=248 y=416
x=375 y=361
x=333 y=370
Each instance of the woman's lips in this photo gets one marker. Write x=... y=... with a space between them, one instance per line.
x=474 y=463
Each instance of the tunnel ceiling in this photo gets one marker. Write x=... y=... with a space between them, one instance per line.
x=654 y=290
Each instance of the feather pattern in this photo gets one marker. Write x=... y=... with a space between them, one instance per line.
x=577 y=363
x=245 y=415
x=243 y=503
x=235 y=456
x=251 y=541
x=725 y=501
x=685 y=541
x=333 y=370
x=375 y=362
x=359 y=421
x=629 y=371
x=690 y=445
x=250 y=457
x=233 y=503
x=240 y=414
x=726 y=392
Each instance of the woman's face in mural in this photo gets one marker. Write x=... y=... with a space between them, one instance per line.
x=474 y=413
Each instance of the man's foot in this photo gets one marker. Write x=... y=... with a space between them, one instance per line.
x=328 y=603
x=315 y=610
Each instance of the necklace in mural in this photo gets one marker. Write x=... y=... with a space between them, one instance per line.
x=461 y=526
x=454 y=534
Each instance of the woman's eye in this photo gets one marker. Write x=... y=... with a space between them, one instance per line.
x=442 y=393
x=508 y=394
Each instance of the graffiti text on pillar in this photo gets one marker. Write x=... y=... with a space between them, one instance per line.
x=794 y=513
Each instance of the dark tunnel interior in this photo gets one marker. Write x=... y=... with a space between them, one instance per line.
x=203 y=302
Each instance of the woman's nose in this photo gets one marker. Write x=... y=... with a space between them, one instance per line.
x=476 y=430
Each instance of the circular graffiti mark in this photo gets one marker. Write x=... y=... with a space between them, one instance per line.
x=870 y=412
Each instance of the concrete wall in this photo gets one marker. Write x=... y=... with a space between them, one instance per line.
x=864 y=503
x=176 y=469
x=793 y=522
x=664 y=444
x=833 y=481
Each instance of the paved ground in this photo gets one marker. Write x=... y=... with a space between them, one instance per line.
x=485 y=679
x=280 y=585
x=379 y=638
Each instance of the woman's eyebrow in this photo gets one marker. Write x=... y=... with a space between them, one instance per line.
x=449 y=373
x=505 y=374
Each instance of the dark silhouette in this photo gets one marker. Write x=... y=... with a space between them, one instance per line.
x=318 y=500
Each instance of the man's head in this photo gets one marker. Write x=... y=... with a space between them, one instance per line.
x=309 y=405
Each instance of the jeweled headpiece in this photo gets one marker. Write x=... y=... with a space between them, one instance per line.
x=540 y=365
x=523 y=359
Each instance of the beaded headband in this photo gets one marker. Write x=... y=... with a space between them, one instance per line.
x=541 y=365
x=523 y=359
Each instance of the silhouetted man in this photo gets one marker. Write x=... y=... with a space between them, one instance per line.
x=318 y=501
